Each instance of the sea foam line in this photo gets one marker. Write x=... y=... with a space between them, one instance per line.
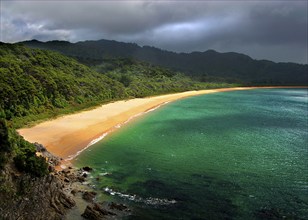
x=101 y=137
x=138 y=199
x=94 y=141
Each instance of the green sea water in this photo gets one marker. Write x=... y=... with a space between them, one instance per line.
x=230 y=155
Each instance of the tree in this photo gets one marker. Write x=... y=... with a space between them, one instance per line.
x=5 y=144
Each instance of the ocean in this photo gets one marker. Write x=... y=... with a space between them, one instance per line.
x=228 y=155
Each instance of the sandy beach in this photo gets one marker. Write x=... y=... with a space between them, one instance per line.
x=70 y=134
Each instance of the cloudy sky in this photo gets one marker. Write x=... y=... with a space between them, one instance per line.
x=274 y=30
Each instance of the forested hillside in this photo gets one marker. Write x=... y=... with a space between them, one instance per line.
x=143 y=79
x=203 y=66
x=37 y=84
x=22 y=153
x=35 y=81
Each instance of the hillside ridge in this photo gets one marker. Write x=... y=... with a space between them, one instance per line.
x=204 y=66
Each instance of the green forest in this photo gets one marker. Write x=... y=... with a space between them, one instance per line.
x=13 y=148
x=39 y=84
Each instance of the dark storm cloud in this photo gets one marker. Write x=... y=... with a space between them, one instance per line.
x=275 y=30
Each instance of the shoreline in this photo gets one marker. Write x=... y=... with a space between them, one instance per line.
x=69 y=135
x=115 y=127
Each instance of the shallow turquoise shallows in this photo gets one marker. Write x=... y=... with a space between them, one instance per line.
x=230 y=155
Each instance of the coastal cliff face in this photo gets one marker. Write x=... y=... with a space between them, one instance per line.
x=29 y=187
x=25 y=197
x=58 y=195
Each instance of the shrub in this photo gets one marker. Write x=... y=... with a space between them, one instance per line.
x=27 y=161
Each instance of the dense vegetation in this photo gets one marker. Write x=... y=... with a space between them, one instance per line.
x=204 y=66
x=33 y=82
x=33 y=85
x=37 y=84
x=13 y=146
x=143 y=79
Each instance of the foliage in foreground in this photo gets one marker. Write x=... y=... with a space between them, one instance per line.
x=23 y=153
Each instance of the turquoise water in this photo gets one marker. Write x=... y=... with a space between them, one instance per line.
x=231 y=155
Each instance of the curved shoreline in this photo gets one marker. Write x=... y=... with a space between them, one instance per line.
x=69 y=135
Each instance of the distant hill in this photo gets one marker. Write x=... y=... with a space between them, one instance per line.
x=204 y=66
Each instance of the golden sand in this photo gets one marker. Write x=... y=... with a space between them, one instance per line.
x=67 y=135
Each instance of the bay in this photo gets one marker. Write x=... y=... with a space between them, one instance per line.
x=229 y=155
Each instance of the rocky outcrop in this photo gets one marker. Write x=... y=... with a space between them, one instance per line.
x=119 y=207
x=96 y=212
x=89 y=196
x=87 y=169
x=51 y=159
x=34 y=198
x=51 y=197
x=26 y=197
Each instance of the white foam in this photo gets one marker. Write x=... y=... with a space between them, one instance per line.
x=97 y=139
x=94 y=141
x=135 y=198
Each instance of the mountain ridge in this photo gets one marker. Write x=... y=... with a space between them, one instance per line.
x=28 y=42
x=209 y=65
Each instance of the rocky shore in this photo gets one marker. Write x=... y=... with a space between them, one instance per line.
x=53 y=196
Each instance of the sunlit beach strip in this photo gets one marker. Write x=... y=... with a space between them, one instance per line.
x=69 y=135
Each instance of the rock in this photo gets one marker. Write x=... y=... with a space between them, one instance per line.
x=86 y=168
x=40 y=194
x=66 y=180
x=51 y=168
x=66 y=171
x=74 y=191
x=90 y=213
x=52 y=160
x=120 y=207
x=66 y=201
x=89 y=196
x=84 y=175
x=81 y=178
x=95 y=212
x=39 y=147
